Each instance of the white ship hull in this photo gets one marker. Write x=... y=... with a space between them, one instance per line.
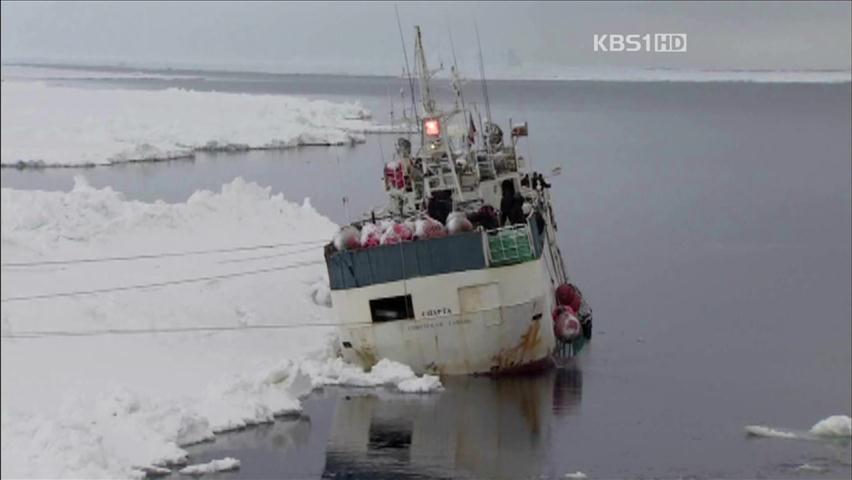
x=486 y=321
x=450 y=284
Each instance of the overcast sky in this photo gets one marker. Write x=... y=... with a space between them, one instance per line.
x=363 y=37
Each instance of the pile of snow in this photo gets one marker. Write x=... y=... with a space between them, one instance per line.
x=385 y=372
x=106 y=405
x=47 y=125
x=833 y=426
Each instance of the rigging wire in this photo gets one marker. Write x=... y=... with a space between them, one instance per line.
x=274 y=255
x=37 y=334
x=166 y=283
x=147 y=256
x=456 y=80
x=482 y=74
x=407 y=70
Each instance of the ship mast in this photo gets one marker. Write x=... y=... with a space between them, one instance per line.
x=429 y=107
x=456 y=80
x=425 y=74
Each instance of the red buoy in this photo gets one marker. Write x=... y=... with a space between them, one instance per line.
x=567 y=294
x=394 y=175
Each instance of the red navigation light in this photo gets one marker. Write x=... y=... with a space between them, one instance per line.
x=432 y=127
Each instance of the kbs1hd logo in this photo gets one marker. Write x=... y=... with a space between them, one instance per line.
x=635 y=42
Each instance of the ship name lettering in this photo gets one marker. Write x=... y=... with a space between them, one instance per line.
x=436 y=312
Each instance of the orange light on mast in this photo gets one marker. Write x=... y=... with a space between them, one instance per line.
x=432 y=127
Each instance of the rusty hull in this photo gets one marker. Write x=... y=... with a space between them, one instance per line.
x=522 y=357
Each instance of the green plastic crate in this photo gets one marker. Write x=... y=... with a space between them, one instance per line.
x=510 y=246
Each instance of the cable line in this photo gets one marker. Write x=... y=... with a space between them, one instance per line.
x=159 y=255
x=157 y=284
x=274 y=255
x=143 y=331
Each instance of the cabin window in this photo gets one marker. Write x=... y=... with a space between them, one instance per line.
x=389 y=309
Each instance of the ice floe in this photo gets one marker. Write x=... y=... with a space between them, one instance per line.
x=764 y=431
x=220 y=465
x=835 y=426
x=104 y=405
x=807 y=467
x=49 y=125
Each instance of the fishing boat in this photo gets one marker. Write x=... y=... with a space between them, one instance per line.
x=460 y=273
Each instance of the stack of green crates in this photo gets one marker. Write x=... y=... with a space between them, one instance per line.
x=509 y=246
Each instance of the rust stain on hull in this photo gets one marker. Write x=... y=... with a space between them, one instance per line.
x=367 y=356
x=521 y=354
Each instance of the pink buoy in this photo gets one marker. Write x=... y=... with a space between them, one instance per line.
x=566 y=325
x=457 y=222
x=435 y=230
x=403 y=231
x=370 y=235
x=394 y=175
x=426 y=228
x=347 y=238
x=371 y=241
x=390 y=237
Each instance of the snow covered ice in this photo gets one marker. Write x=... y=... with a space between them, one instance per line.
x=213 y=466
x=835 y=426
x=106 y=406
x=48 y=125
x=764 y=431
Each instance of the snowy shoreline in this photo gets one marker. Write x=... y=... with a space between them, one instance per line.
x=85 y=405
x=57 y=126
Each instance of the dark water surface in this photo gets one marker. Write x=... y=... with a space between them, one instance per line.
x=710 y=225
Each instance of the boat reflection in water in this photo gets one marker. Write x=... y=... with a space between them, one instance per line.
x=478 y=427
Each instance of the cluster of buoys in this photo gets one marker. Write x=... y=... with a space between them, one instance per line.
x=390 y=232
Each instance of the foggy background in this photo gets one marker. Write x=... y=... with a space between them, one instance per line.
x=364 y=38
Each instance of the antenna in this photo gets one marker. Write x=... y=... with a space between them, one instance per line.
x=407 y=70
x=455 y=70
x=345 y=198
x=381 y=150
x=390 y=99
x=482 y=75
